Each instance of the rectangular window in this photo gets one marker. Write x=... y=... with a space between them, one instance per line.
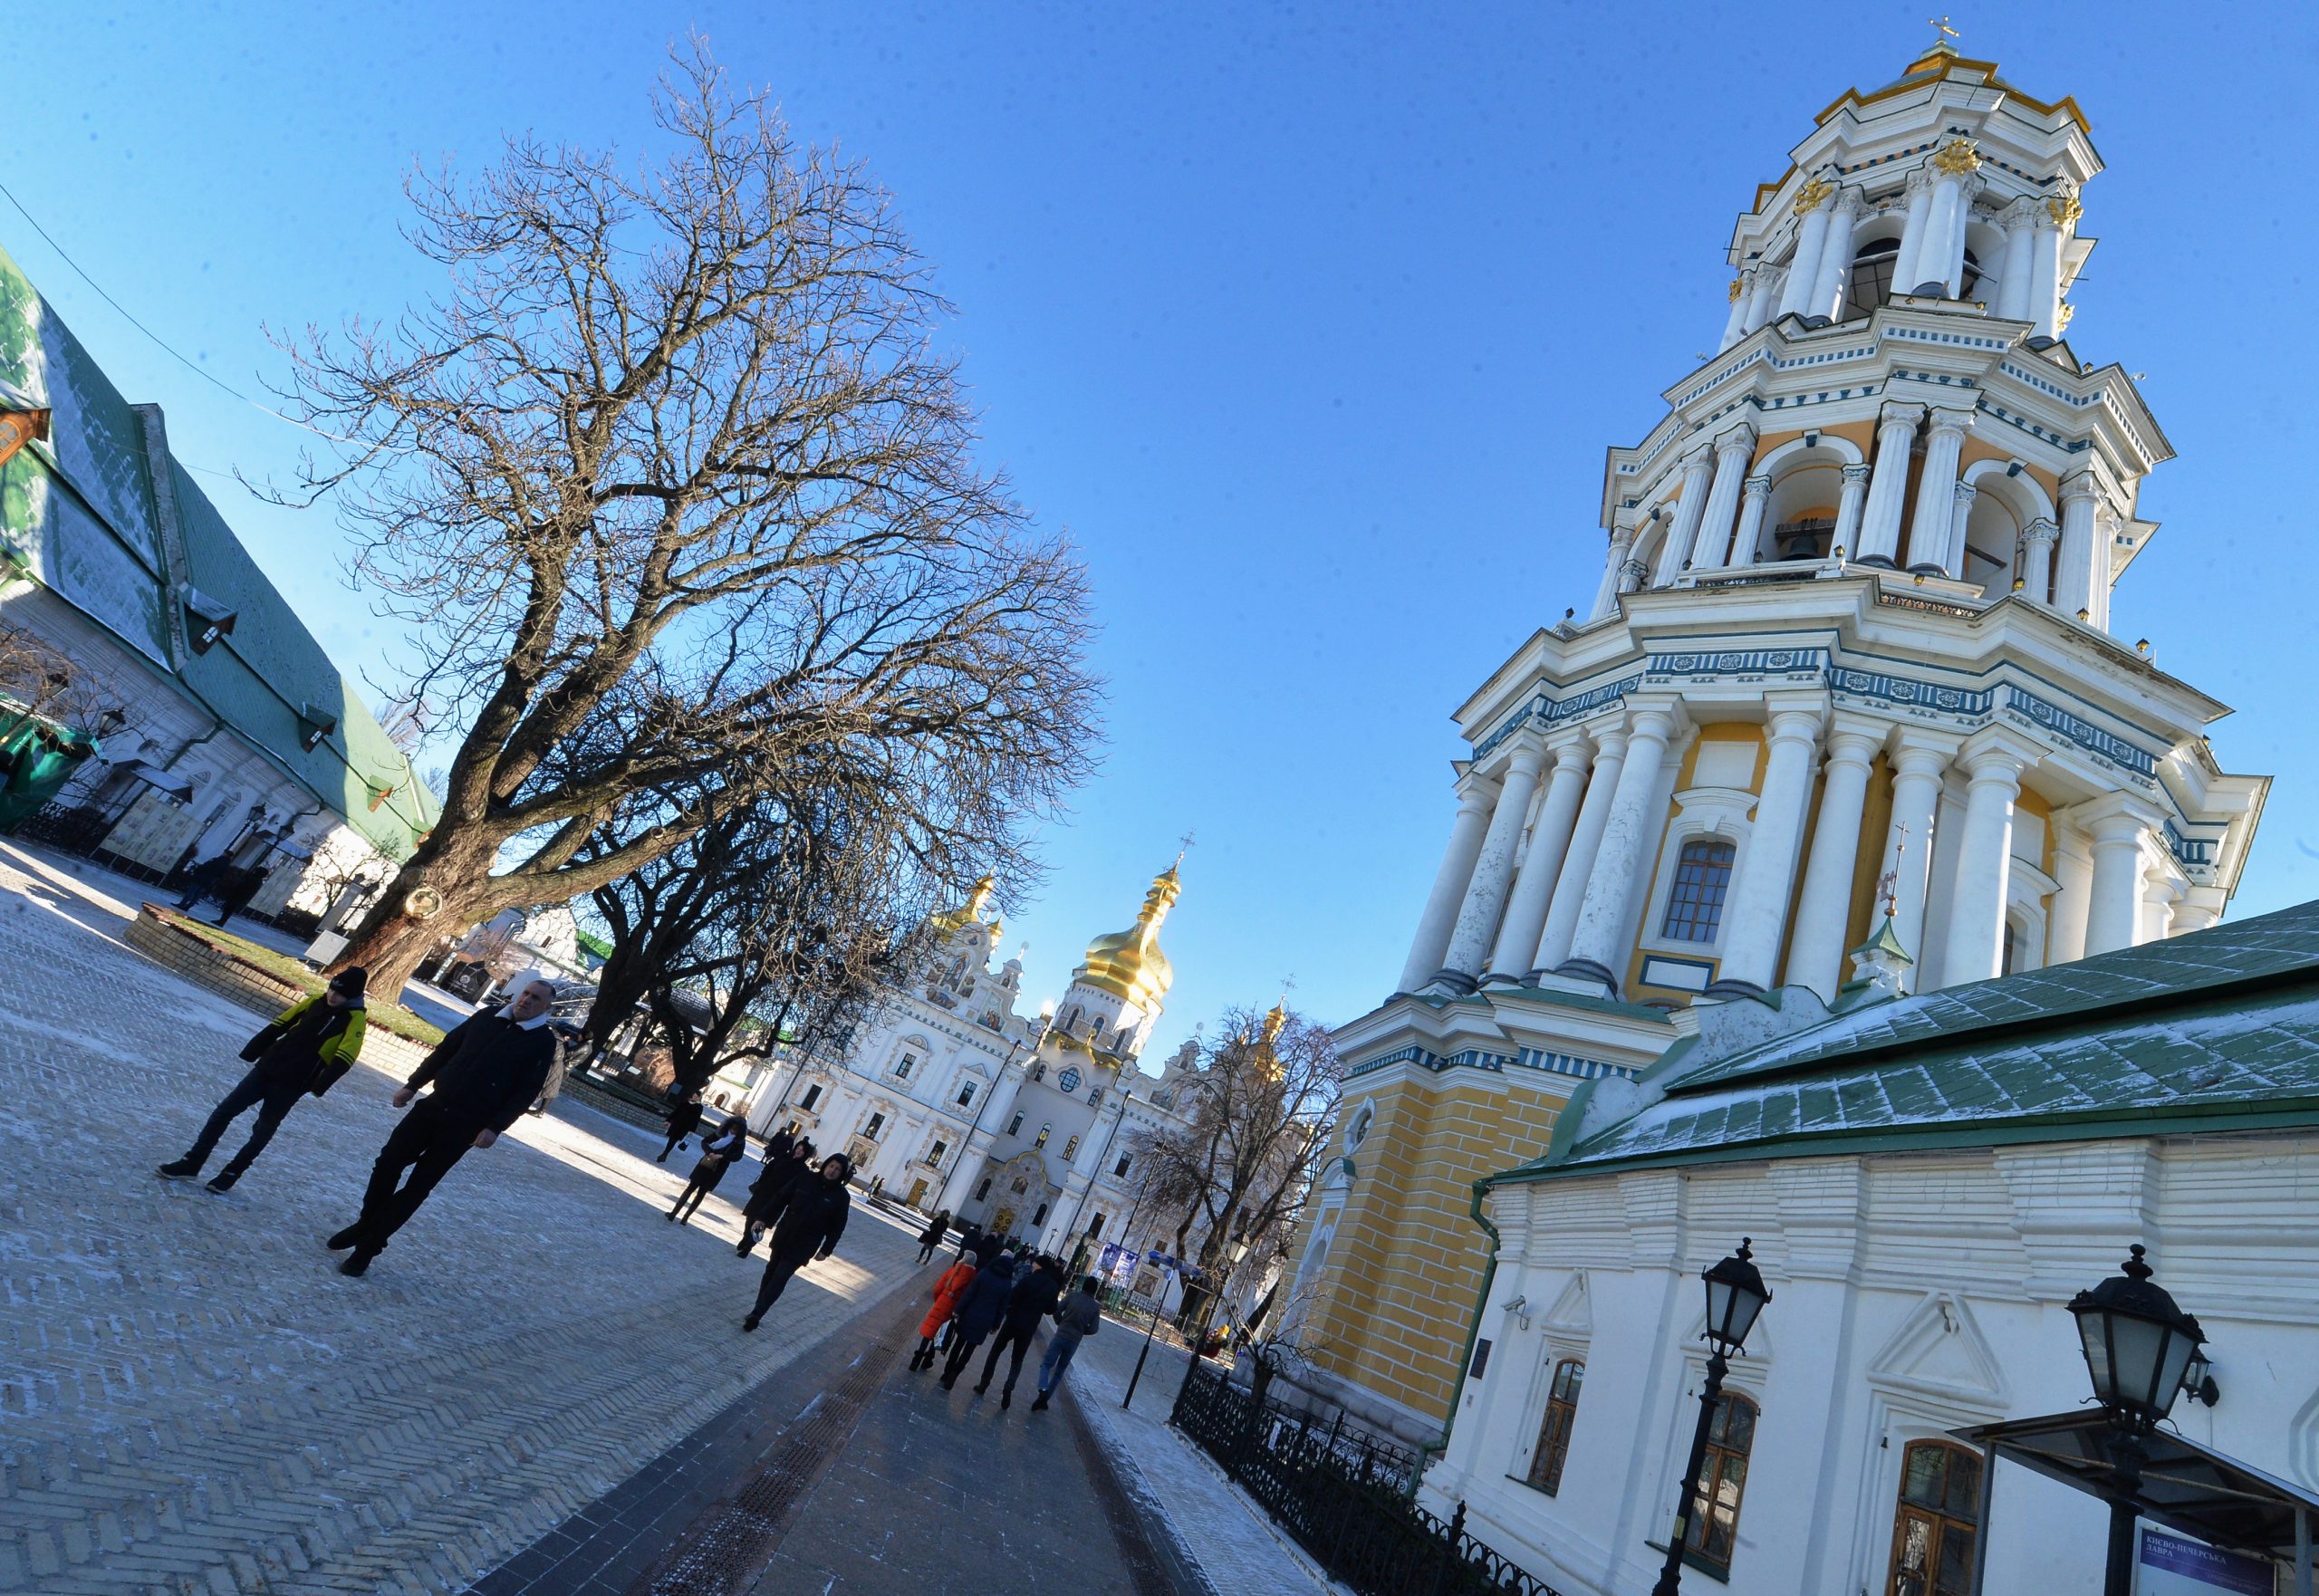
x=1014 y=1126
x=1120 y=1169
x=1071 y=1150
x=902 y=1069
x=1553 y=1430
x=966 y=1095
x=812 y=1095
x=934 y=1154
x=877 y=1123
x=1714 y=1517
x=1702 y=876
x=1938 y=1518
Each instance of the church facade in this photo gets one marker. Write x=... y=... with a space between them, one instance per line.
x=1849 y=651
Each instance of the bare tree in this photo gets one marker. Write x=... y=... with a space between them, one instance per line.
x=673 y=486
x=1254 y=1128
x=44 y=682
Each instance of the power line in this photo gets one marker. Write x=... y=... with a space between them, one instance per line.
x=167 y=348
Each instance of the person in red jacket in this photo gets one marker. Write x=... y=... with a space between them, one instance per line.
x=947 y=1290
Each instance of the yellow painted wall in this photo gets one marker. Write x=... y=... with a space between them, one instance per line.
x=1396 y=1293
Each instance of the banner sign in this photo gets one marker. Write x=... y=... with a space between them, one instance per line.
x=2170 y=1566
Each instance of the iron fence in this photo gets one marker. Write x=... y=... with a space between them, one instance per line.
x=1343 y=1494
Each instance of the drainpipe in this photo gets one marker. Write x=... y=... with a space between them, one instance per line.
x=1432 y=1449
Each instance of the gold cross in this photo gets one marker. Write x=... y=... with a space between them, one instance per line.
x=1889 y=883
x=1940 y=25
x=1184 y=845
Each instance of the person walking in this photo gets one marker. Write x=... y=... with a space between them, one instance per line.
x=202 y=883
x=932 y=1237
x=306 y=1047
x=717 y=1154
x=1033 y=1299
x=810 y=1225
x=948 y=1289
x=484 y=1074
x=1081 y=1316
x=987 y=1245
x=769 y=1193
x=978 y=1314
x=777 y=1145
x=682 y=1118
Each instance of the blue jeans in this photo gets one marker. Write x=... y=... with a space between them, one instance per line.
x=1060 y=1347
x=273 y=1100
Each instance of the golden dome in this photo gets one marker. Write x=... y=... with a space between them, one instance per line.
x=970 y=911
x=1129 y=964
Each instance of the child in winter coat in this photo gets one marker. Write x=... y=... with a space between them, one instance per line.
x=947 y=1290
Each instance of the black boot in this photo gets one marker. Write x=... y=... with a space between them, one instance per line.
x=346 y=1238
x=357 y=1261
x=223 y=1181
x=1041 y=1404
x=184 y=1169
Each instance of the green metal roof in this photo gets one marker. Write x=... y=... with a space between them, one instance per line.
x=2218 y=1028
x=83 y=511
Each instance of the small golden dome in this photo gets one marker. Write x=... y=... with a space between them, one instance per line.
x=1129 y=964
x=968 y=913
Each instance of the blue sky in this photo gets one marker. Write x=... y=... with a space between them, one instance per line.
x=1309 y=325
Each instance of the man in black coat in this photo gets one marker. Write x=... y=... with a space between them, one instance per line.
x=484 y=1073
x=1035 y=1297
x=809 y=1228
x=682 y=1120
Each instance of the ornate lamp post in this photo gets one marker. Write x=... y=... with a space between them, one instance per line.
x=1736 y=1293
x=2139 y=1347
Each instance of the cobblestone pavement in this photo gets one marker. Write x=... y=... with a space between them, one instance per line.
x=193 y=1400
x=1233 y=1545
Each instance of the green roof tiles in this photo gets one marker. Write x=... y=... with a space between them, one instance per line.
x=2213 y=1029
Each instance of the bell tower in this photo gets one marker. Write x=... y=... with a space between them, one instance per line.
x=1850 y=647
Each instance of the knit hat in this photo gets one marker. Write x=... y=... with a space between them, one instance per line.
x=350 y=981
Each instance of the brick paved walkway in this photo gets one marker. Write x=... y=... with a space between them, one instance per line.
x=193 y=1400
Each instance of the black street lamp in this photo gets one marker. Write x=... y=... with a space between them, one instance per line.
x=2139 y=1348
x=1736 y=1293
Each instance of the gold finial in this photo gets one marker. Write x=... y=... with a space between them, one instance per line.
x=1958 y=159
x=2062 y=316
x=1810 y=198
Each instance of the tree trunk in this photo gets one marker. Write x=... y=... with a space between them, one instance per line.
x=390 y=944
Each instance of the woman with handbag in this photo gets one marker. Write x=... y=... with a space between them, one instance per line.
x=717 y=1153
x=306 y=1049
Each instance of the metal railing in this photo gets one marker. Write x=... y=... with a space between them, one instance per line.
x=1343 y=1494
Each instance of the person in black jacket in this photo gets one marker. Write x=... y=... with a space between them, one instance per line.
x=809 y=1228
x=717 y=1153
x=980 y=1311
x=777 y=1145
x=682 y=1118
x=484 y=1073
x=769 y=1193
x=306 y=1048
x=1035 y=1297
x=932 y=1237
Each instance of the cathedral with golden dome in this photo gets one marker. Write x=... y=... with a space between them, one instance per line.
x=949 y=1097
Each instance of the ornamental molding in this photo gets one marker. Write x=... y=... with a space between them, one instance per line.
x=1958 y=158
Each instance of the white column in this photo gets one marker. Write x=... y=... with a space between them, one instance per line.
x=2194 y=913
x=1912 y=230
x=1757 y=911
x=1830 y=284
x=1815 y=948
x=1606 y=594
x=1960 y=516
x=1735 y=325
x=1594 y=951
x=1733 y=450
x=2158 y=898
x=2073 y=564
x=2099 y=590
x=1918 y=763
x=1578 y=859
x=1937 y=491
x=1755 y=496
x=1811 y=239
x=1440 y=916
x=2020 y=252
x=2056 y=217
x=1993 y=761
x=1697 y=467
x=2113 y=914
x=2037 y=559
x=1477 y=926
x=1769 y=281
x=2074 y=875
x=1888 y=487
x=1525 y=911
x=1845 y=542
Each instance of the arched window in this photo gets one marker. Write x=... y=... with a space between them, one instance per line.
x=983 y=1190
x=2005 y=957
x=1702 y=877
x=1014 y=1126
x=1934 y=1527
x=1038 y=1072
x=1712 y=1521
x=1071 y=1150
x=1040 y=1218
x=1871 y=277
x=1046 y=1131
x=1553 y=1430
